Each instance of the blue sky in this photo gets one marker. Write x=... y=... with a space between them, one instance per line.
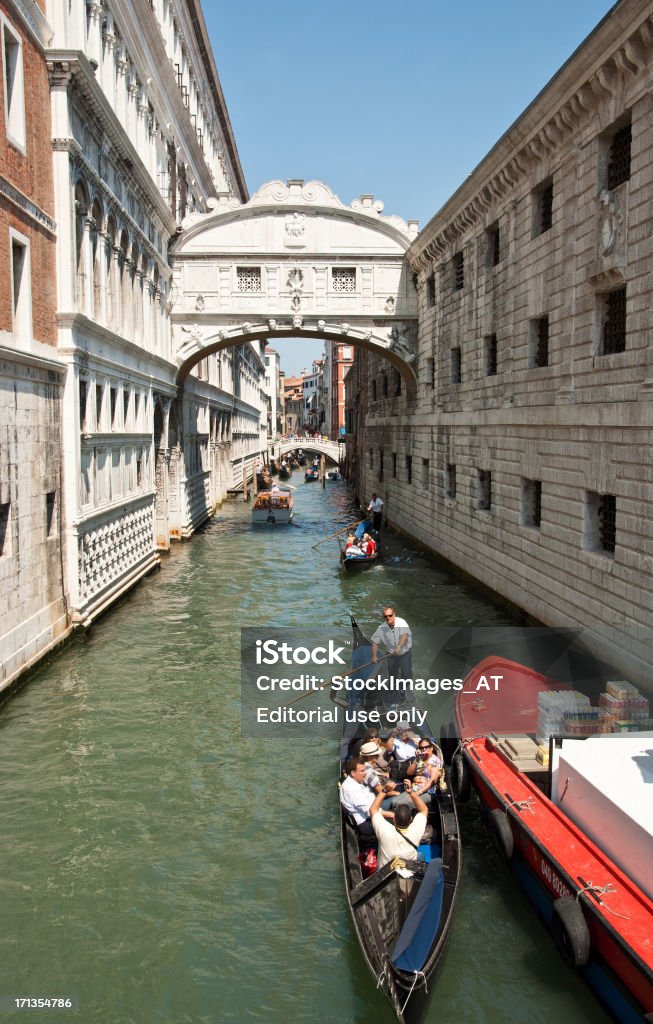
x=401 y=101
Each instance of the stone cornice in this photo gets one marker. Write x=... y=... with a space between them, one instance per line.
x=615 y=53
x=27 y=206
x=34 y=20
x=66 y=67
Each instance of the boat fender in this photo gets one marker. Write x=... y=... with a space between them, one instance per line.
x=461 y=779
x=502 y=833
x=272 y=519
x=570 y=931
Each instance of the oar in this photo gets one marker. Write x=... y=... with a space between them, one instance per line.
x=329 y=682
x=338 y=532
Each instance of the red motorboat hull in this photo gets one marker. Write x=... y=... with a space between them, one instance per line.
x=556 y=862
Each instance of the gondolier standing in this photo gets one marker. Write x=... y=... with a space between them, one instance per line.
x=376 y=508
x=396 y=637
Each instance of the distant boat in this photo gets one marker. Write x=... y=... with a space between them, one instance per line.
x=312 y=473
x=334 y=474
x=274 y=506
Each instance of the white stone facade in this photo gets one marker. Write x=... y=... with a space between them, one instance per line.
x=525 y=461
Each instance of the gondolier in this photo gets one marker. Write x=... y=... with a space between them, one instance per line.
x=376 y=508
x=396 y=637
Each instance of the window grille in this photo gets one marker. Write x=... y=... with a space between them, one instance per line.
x=491 y=355
x=619 y=157
x=608 y=522
x=614 y=324
x=248 y=279
x=458 y=263
x=343 y=279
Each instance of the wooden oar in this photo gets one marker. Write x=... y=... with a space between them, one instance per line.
x=329 y=682
x=338 y=532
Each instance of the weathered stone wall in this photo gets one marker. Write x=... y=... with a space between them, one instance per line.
x=579 y=424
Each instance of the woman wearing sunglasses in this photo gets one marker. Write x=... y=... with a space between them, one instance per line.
x=428 y=769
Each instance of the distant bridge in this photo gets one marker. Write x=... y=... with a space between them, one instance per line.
x=333 y=450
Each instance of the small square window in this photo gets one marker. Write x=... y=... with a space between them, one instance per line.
x=343 y=279
x=531 y=503
x=248 y=279
x=543 y=208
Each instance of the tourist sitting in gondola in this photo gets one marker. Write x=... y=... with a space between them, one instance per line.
x=428 y=769
x=357 y=797
x=368 y=545
x=401 y=837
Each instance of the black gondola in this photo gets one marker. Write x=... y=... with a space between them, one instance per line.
x=356 y=563
x=403 y=924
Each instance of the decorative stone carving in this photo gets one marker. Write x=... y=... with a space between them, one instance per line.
x=200 y=303
x=297 y=322
x=246 y=328
x=195 y=334
x=295 y=236
x=401 y=342
x=296 y=283
x=321 y=324
x=611 y=220
x=390 y=305
x=272 y=324
x=344 y=328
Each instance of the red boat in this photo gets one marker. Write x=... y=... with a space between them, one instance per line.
x=596 y=899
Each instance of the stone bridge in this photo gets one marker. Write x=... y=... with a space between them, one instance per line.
x=333 y=450
x=296 y=262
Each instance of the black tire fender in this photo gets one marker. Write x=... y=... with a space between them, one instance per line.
x=570 y=931
x=502 y=833
x=461 y=779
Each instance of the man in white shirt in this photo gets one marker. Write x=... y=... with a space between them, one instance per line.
x=394 y=838
x=396 y=637
x=376 y=508
x=357 y=798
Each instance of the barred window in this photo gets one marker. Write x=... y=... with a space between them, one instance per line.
x=543 y=209
x=539 y=342
x=248 y=279
x=491 y=355
x=450 y=481
x=531 y=503
x=600 y=522
x=613 y=338
x=458 y=269
x=619 y=157
x=456 y=366
x=484 y=489
x=493 y=245
x=343 y=279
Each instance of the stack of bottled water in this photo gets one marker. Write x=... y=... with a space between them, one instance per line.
x=553 y=705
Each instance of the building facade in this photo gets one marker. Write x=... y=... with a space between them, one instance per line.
x=523 y=457
x=32 y=591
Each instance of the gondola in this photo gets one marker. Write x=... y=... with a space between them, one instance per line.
x=402 y=923
x=312 y=474
x=357 y=563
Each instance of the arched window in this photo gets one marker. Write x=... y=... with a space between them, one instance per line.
x=112 y=307
x=96 y=269
x=81 y=213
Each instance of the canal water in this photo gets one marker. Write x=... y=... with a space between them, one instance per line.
x=161 y=868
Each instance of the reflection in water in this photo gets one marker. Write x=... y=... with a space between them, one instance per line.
x=166 y=869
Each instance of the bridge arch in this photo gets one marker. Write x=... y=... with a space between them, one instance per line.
x=294 y=261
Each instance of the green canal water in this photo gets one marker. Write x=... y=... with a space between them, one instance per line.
x=160 y=868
